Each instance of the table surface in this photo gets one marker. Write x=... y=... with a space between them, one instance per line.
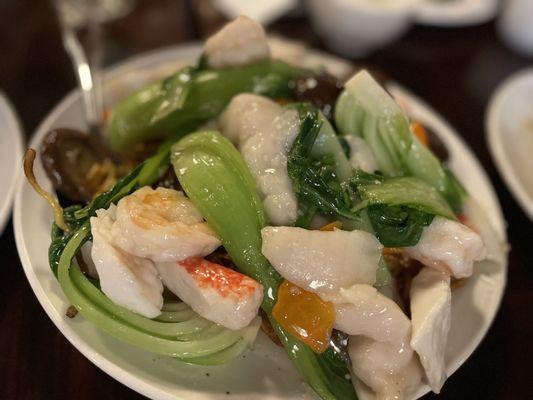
x=455 y=70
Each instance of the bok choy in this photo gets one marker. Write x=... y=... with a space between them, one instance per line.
x=190 y=97
x=178 y=332
x=217 y=180
x=364 y=108
x=395 y=209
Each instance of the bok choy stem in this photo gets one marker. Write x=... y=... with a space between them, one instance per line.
x=365 y=109
x=216 y=179
x=190 y=97
x=178 y=332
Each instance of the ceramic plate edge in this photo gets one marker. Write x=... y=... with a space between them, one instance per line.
x=494 y=136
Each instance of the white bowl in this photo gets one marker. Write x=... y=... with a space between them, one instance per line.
x=265 y=372
x=509 y=128
x=353 y=28
x=455 y=13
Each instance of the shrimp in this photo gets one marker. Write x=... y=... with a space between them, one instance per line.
x=448 y=246
x=431 y=316
x=322 y=261
x=264 y=134
x=240 y=42
x=129 y=281
x=217 y=293
x=162 y=225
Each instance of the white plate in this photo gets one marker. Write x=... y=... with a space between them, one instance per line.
x=265 y=372
x=455 y=13
x=10 y=158
x=509 y=128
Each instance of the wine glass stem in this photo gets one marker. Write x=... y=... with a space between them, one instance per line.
x=88 y=71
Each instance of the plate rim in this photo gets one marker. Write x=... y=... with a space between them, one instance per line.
x=494 y=137
x=125 y=377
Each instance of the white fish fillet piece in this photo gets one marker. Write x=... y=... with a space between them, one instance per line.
x=322 y=261
x=365 y=311
x=387 y=370
x=129 y=281
x=431 y=316
x=264 y=132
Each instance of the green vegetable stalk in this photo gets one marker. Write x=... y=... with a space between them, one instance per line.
x=178 y=332
x=190 y=97
x=395 y=209
x=216 y=179
x=364 y=108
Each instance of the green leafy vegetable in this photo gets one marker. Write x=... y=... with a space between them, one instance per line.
x=398 y=226
x=315 y=181
x=191 y=96
x=405 y=191
x=178 y=332
x=396 y=210
x=364 y=108
x=216 y=179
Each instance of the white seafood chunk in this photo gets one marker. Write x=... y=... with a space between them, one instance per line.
x=264 y=132
x=388 y=369
x=162 y=225
x=217 y=293
x=129 y=281
x=322 y=261
x=361 y=155
x=431 y=314
x=365 y=311
x=448 y=246
x=242 y=41
x=478 y=220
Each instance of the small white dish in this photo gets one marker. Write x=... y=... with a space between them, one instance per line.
x=455 y=13
x=262 y=11
x=10 y=158
x=265 y=372
x=509 y=129
x=353 y=28
x=515 y=26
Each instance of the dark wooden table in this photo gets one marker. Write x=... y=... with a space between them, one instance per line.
x=455 y=70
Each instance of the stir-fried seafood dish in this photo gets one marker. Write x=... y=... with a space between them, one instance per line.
x=244 y=194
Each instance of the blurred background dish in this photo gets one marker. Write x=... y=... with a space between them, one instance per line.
x=515 y=25
x=10 y=157
x=509 y=125
x=455 y=13
x=262 y=11
x=354 y=28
